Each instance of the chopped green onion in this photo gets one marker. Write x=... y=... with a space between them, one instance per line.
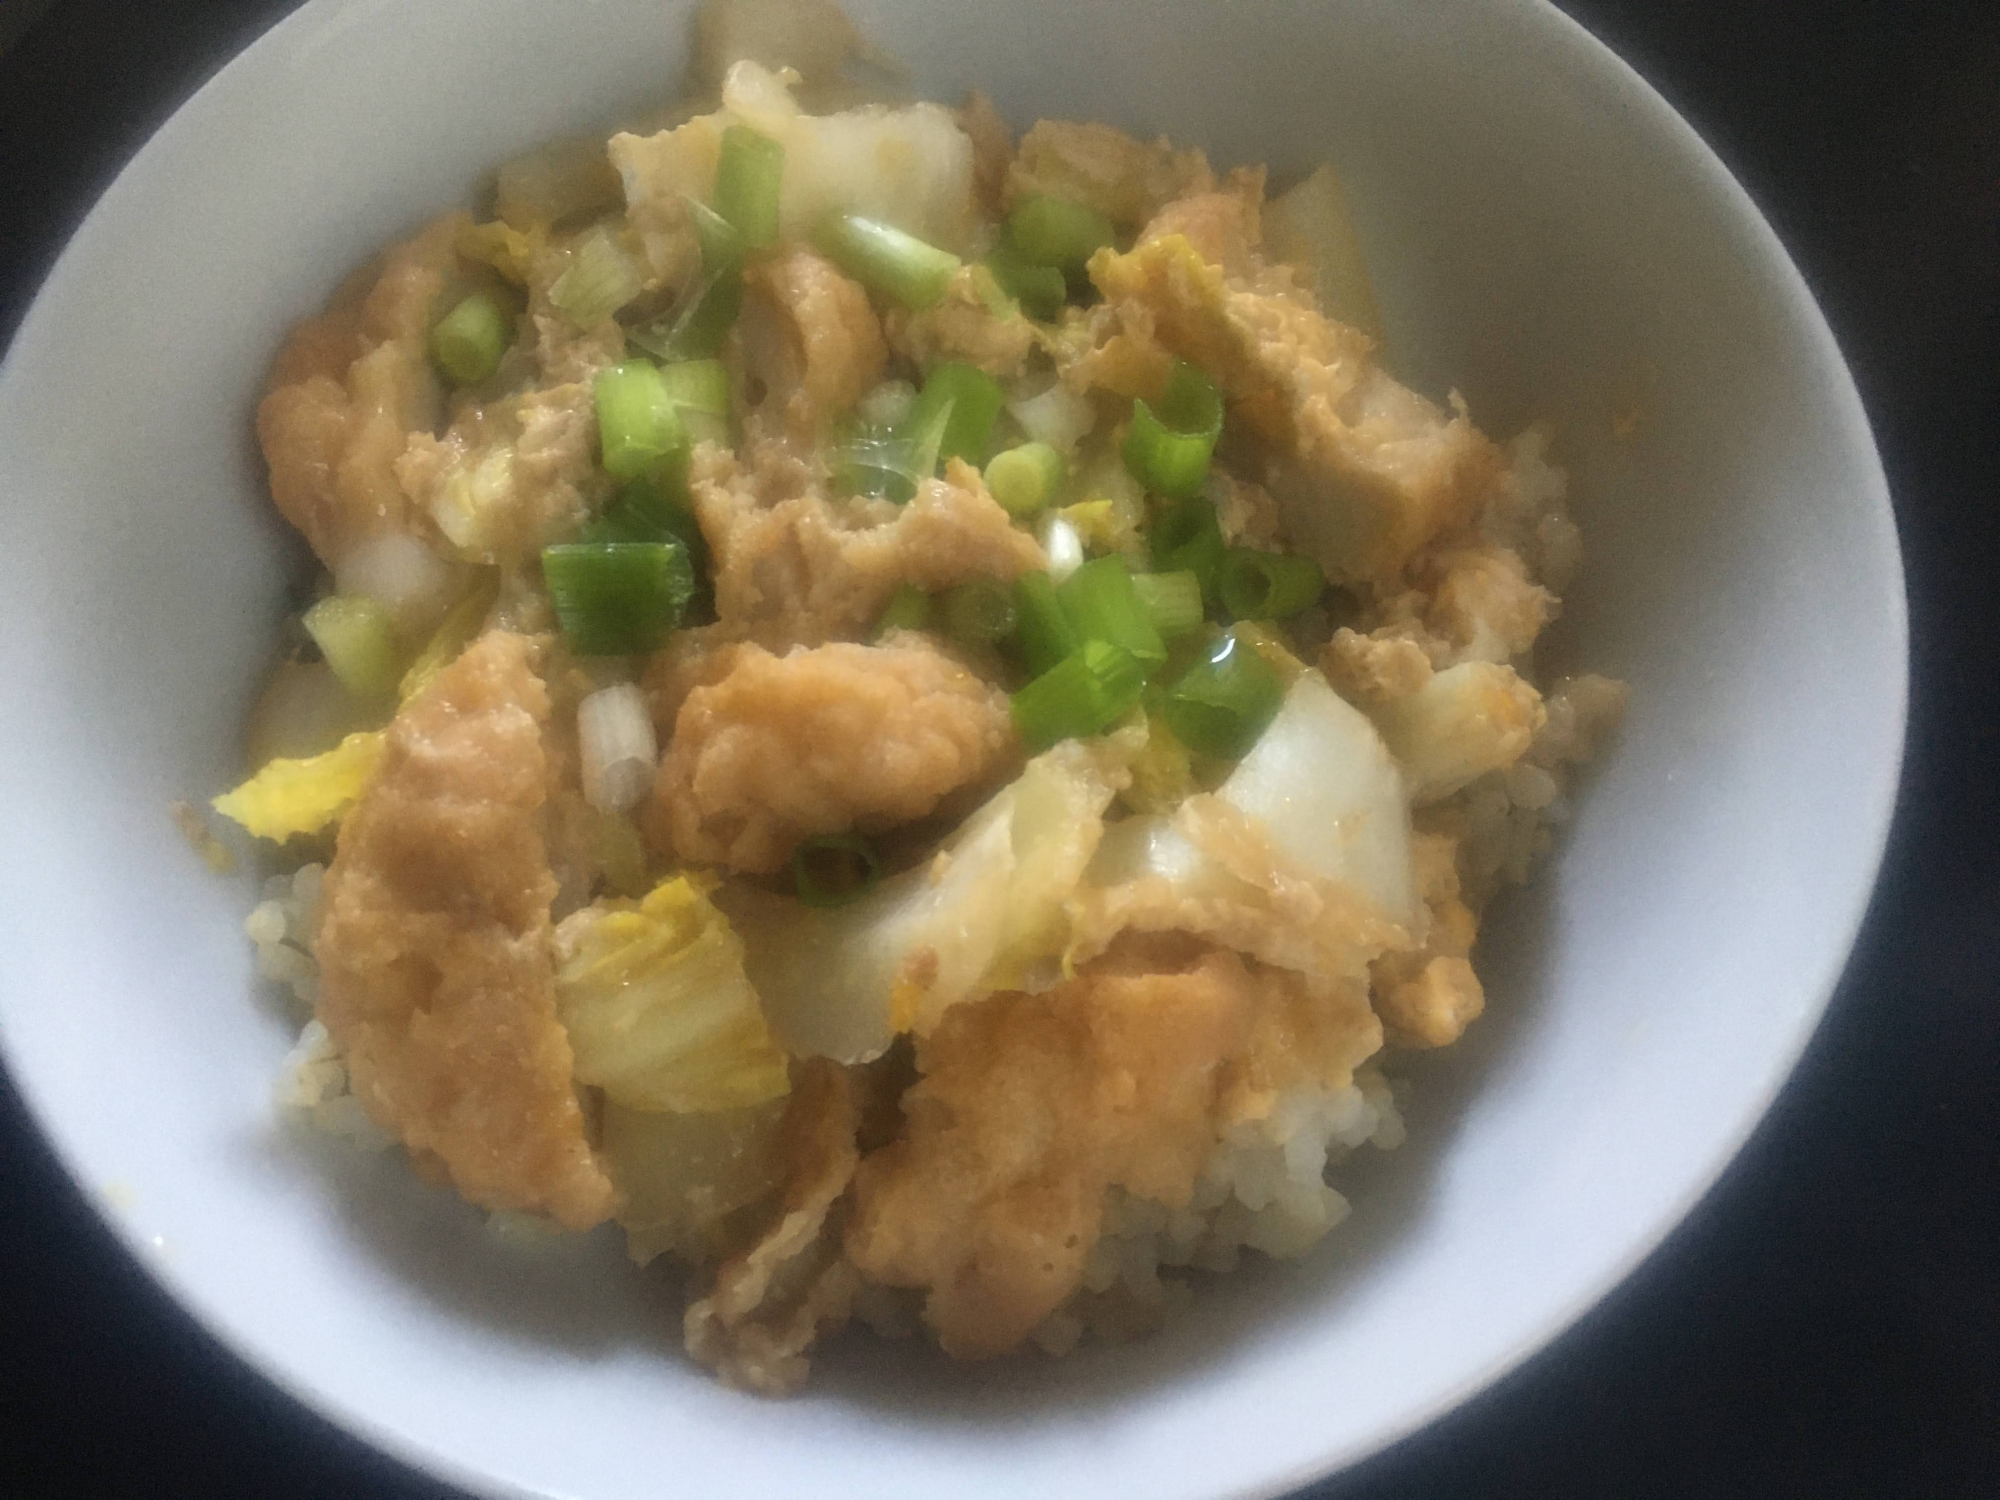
x=886 y=260
x=469 y=340
x=1041 y=290
x=833 y=869
x=909 y=608
x=1085 y=693
x=1042 y=629
x=722 y=247
x=638 y=423
x=1172 y=602
x=979 y=613
x=358 y=639
x=617 y=598
x=699 y=389
x=1267 y=585
x=657 y=509
x=1222 y=703
x=747 y=176
x=1056 y=232
x=1188 y=538
x=973 y=400
x=1103 y=605
x=877 y=468
x=1025 y=479
x=698 y=323
x=599 y=279
x=1169 y=451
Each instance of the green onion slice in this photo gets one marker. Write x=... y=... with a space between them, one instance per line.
x=722 y=247
x=638 y=424
x=618 y=598
x=972 y=400
x=696 y=326
x=1172 y=601
x=356 y=636
x=979 y=613
x=1169 y=451
x=1025 y=479
x=1103 y=605
x=469 y=340
x=909 y=608
x=1085 y=693
x=1040 y=290
x=886 y=260
x=1255 y=585
x=1223 y=701
x=1042 y=630
x=833 y=869
x=747 y=177
x=1049 y=231
x=1187 y=537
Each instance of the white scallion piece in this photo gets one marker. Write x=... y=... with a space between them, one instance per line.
x=402 y=575
x=1058 y=416
x=619 y=751
x=1063 y=546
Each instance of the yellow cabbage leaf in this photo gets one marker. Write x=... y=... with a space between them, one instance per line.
x=290 y=797
x=659 y=1013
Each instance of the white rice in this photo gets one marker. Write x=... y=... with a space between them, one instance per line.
x=1264 y=1188
x=281 y=928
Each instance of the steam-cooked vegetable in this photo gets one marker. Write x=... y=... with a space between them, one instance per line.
x=747 y=178
x=1254 y=585
x=1223 y=701
x=973 y=399
x=986 y=912
x=1465 y=721
x=457 y=630
x=979 y=613
x=1323 y=783
x=1085 y=693
x=659 y=1013
x=1062 y=545
x=885 y=259
x=1187 y=536
x=402 y=575
x=1048 y=231
x=682 y=1175
x=599 y=280
x=287 y=798
x=1104 y=606
x=358 y=640
x=617 y=598
x=1310 y=227
x=1025 y=478
x=1169 y=451
x=1172 y=601
x=468 y=341
x=909 y=608
x=638 y=420
x=618 y=751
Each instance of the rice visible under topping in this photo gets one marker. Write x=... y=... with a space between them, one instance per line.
x=1263 y=1189
x=312 y=1086
x=281 y=927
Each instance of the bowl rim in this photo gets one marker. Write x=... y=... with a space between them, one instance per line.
x=1879 y=812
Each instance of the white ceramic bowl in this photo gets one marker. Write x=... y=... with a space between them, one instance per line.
x=1549 y=238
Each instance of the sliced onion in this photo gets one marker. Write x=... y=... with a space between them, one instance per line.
x=887 y=404
x=1058 y=416
x=618 y=749
x=402 y=575
x=1064 y=547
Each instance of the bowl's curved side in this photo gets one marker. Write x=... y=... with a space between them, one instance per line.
x=1551 y=239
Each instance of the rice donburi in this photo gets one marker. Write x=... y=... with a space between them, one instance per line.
x=911 y=715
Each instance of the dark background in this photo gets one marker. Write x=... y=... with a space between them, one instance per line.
x=1827 y=1323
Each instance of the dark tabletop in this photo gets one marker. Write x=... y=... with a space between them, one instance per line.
x=1828 y=1321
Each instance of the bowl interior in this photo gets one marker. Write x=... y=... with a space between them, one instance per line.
x=1548 y=238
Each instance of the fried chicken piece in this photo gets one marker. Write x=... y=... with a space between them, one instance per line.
x=819 y=741
x=1364 y=470
x=792 y=565
x=963 y=326
x=1126 y=180
x=811 y=344
x=770 y=1302
x=437 y=980
x=1031 y=1107
x=346 y=391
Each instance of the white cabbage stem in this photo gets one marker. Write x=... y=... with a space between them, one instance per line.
x=618 y=748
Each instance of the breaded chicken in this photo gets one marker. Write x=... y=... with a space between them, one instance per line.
x=1126 y=180
x=964 y=326
x=1032 y=1106
x=821 y=740
x=793 y=565
x=770 y=1302
x=1365 y=471
x=436 y=976
x=345 y=393
x=811 y=345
